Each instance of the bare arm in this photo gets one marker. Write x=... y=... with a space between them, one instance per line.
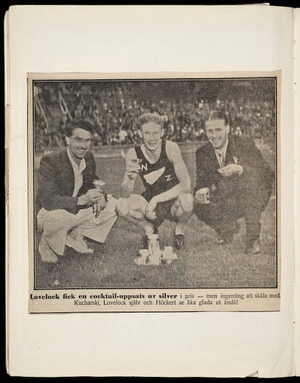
x=130 y=174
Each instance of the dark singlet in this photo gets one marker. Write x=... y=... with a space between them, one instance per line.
x=158 y=177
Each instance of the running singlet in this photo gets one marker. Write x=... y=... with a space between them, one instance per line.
x=158 y=177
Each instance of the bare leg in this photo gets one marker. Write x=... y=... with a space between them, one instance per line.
x=132 y=210
x=183 y=210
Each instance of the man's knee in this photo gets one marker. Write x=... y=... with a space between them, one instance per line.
x=111 y=205
x=55 y=220
x=109 y=212
x=186 y=201
x=59 y=216
x=134 y=205
x=123 y=207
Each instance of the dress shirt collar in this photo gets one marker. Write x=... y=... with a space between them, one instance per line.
x=78 y=168
x=221 y=153
x=222 y=150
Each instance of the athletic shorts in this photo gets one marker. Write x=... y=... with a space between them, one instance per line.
x=163 y=211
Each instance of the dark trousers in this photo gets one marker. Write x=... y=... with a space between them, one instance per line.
x=223 y=211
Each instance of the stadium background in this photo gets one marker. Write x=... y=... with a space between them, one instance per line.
x=114 y=107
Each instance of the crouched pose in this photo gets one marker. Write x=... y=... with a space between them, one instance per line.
x=70 y=207
x=166 y=181
x=237 y=179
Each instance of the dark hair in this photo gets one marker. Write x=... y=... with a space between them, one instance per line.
x=79 y=124
x=218 y=115
x=149 y=117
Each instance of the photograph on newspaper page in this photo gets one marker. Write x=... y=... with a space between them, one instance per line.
x=155 y=192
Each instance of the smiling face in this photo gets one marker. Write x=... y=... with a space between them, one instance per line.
x=217 y=132
x=151 y=134
x=79 y=143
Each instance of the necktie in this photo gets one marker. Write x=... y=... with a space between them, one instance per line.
x=221 y=159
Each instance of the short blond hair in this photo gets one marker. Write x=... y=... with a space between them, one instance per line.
x=149 y=117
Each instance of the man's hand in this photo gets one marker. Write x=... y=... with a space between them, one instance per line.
x=100 y=205
x=150 y=209
x=202 y=196
x=132 y=169
x=230 y=170
x=90 y=197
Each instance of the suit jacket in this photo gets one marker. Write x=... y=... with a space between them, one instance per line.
x=56 y=181
x=257 y=174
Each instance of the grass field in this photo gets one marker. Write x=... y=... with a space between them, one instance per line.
x=202 y=263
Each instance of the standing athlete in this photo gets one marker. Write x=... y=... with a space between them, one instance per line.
x=166 y=181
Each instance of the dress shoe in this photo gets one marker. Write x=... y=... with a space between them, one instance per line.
x=254 y=248
x=228 y=238
x=78 y=244
x=179 y=241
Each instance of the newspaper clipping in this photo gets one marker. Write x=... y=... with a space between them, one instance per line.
x=154 y=192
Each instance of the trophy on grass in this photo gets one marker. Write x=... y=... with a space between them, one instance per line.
x=154 y=256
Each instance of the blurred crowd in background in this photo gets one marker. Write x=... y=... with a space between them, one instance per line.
x=114 y=107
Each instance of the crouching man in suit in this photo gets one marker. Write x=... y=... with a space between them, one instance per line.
x=233 y=181
x=69 y=206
